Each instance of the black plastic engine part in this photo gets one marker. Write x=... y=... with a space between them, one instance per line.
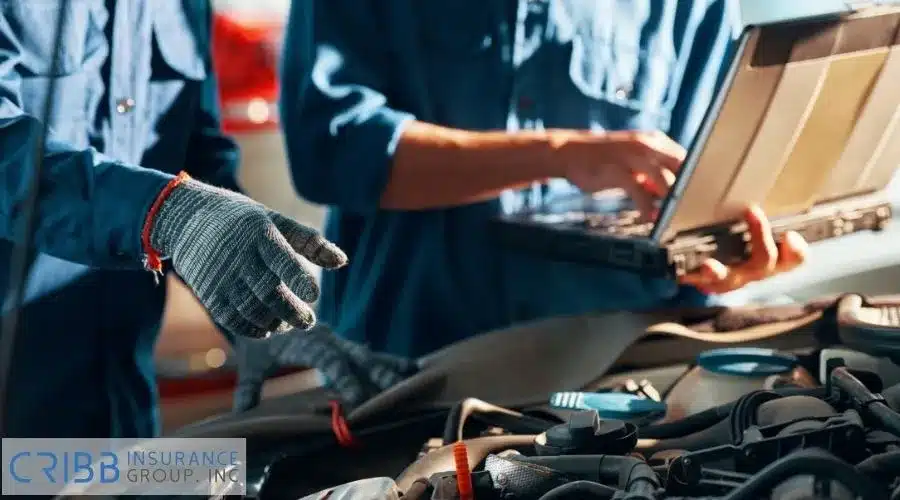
x=881 y=467
x=702 y=421
x=842 y=434
x=808 y=462
x=586 y=434
x=632 y=475
x=872 y=405
x=892 y=397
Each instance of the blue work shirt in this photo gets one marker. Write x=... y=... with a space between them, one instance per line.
x=418 y=280
x=133 y=87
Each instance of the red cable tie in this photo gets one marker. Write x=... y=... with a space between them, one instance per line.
x=463 y=474
x=339 y=426
x=154 y=260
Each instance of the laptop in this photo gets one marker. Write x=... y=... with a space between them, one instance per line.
x=806 y=124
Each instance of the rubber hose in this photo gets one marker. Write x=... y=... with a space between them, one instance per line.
x=707 y=418
x=580 y=490
x=881 y=466
x=707 y=438
x=892 y=396
x=641 y=482
x=744 y=413
x=598 y=468
x=812 y=461
x=688 y=425
x=888 y=419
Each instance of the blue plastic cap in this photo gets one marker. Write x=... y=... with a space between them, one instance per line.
x=747 y=361
x=623 y=406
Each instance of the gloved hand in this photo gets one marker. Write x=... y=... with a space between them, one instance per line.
x=243 y=261
x=351 y=369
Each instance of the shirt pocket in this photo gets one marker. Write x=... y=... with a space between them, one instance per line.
x=178 y=54
x=67 y=118
x=33 y=23
x=623 y=73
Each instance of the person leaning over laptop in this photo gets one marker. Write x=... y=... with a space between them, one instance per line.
x=418 y=122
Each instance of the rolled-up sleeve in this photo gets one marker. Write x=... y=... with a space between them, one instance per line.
x=340 y=132
x=91 y=208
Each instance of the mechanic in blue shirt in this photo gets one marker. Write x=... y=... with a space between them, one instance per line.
x=418 y=122
x=133 y=86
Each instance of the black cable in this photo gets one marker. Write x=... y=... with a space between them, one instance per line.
x=580 y=490
x=705 y=419
x=19 y=264
x=869 y=404
x=815 y=462
x=884 y=466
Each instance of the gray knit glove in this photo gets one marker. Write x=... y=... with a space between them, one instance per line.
x=243 y=261
x=351 y=369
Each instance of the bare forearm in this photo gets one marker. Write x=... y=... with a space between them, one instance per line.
x=437 y=167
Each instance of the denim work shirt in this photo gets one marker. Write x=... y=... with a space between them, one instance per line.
x=419 y=280
x=133 y=86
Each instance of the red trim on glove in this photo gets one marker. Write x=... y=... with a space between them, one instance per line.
x=339 y=426
x=154 y=260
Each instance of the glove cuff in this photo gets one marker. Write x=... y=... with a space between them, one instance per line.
x=153 y=259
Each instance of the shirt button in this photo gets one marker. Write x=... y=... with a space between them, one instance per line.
x=623 y=92
x=124 y=105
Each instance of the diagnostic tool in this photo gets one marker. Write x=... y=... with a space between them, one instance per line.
x=806 y=124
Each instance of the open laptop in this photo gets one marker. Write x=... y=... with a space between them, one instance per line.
x=807 y=124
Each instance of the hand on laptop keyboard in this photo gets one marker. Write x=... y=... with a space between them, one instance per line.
x=641 y=163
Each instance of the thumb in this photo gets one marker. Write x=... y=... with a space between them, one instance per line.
x=308 y=242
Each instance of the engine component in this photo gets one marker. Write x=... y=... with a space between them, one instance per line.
x=613 y=405
x=792 y=443
x=586 y=434
x=723 y=375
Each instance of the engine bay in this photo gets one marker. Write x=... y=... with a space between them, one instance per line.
x=672 y=433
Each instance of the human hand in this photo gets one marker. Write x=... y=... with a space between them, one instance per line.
x=643 y=164
x=351 y=369
x=767 y=258
x=243 y=261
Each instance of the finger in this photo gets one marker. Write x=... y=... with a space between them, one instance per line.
x=652 y=177
x=235 y=324
x=287 y=308
x=708 y=275
x=289 y=267
x=248 y=305
x=792 y=251
x=247 y=395
x=309 y=243
x=663 y=151
x=763 y=250
x=644 y=202
x=642 y=180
